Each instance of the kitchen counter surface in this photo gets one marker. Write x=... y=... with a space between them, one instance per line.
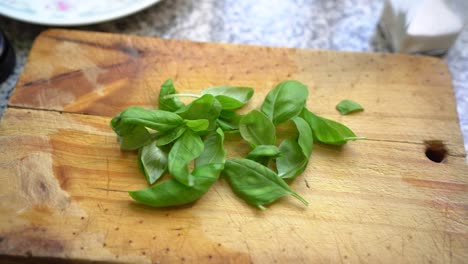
x=349 y=25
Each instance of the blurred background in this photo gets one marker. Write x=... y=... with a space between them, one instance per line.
x=350 y=25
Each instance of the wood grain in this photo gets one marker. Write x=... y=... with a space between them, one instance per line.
x=378 y=201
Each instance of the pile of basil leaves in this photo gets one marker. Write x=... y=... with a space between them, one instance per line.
x=176 y=137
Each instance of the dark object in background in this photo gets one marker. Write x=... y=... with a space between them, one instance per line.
x=7 y=58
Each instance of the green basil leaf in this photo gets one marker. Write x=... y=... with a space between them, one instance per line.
x=213 y=151
x=257 y=129
x=170 y=136
x=328 y=131
x=261 y=151
x=255 y=183
x=152 y=161
x=173 y=193
x=200 y=108
x=230 y=97
x=135 y=139
x=347 y=106
x=295 y=154
x=125 y=122
x=169 y=104
x=197 y=125
x=285 y=101
x=305 y=139
x=226 y=126
x=229 y=120
x=188 y=147
x=292 y=161
x=205 y=107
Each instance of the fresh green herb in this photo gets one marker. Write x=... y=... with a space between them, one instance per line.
x=347 y=106
x=125 y=122
x=152 y=162
x=328 y=131
x=172 y=192
x=255 y=183
x=229 y=120
x=261 y=151
x=257 y=129
x=137 y=138
x=197 y=125
x=292 y=161
x=205 y=107
x=305 y=139
x=295 y=153
x=188 y=147
x=171 y=104
x=170 y=136
x=213 y=149
x=177 y=137
x=231 y=98
x=285 y=101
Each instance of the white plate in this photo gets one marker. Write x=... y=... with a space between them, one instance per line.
x=70 y=12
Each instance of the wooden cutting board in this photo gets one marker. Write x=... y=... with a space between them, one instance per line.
x=64 y=179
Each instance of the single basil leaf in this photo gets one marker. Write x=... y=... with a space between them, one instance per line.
x=198 y=108
x=229 y=120
x=173 y=193
x=285 y=101
x=255 y=183
x=292 y=161
x=138 y=137
x=170 y=104
x=205 y=107
x=257 y=129
x=152 y=161
x=188 y=147
x=213 y=151
x=261 y=151
x=347 y=106
x=170 y=136
x=230 y=97
x=226 y=125
x=305 y=139
x=197 y=125
x=328 y=131
x=125 y=122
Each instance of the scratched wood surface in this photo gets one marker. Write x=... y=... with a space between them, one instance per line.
x=64 y=179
